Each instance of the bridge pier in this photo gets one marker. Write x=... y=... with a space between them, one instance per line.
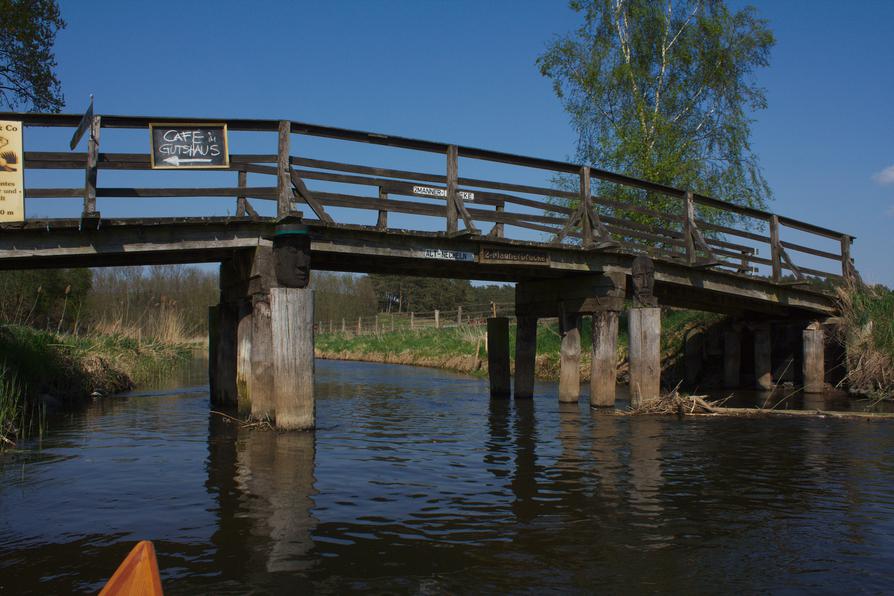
x=645 y=354
x=525 y=356
x=498 y=356
x=569 y=352
x=604 y=361
x=732 y=357
x=763 y=357
x=261 y=333
x=814 y=365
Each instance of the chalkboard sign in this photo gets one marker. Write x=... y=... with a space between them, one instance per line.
x=184 y=146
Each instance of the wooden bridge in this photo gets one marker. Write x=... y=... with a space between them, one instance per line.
x=568 y=233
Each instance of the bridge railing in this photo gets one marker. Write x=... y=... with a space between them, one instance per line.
x=572 y=205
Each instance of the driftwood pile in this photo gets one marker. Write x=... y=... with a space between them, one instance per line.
x=697 y=405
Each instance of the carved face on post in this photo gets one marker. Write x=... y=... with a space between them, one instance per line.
x=642 y=271
x=291 y=255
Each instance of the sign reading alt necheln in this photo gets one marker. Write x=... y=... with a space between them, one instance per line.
x=12 y=172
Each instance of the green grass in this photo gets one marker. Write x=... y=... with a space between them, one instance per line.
x=875 y=307
x=468 y=341
x=68 y=368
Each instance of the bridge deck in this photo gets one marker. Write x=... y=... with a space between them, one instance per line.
x=709 y=254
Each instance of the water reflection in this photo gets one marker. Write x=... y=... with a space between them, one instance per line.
x=416 y=482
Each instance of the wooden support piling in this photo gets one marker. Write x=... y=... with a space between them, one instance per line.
x=213 y=339
x=814 y=366
x=226 y=353
x=498 y=356
x=569 y=372
x=243 y=358
x=262 y=381
x=693 y=356
x=645 y=354
x=292 y=319
x=732 y=358
x=604 y=362
x=525 y=356
x=763 y=369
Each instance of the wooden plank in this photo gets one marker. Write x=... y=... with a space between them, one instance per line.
x=309 y=198
x=810 y=251
x=255 y=192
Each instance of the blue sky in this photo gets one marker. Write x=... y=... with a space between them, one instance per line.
x=465 y=72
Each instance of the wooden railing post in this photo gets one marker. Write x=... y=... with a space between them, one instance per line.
x=586 y=206
x=689 y=230
x=91 y=170
x=498 y=227
x=846 y=265
x=775 y=254
x=240 y=200
x=452 y=182
x=382 y=221
x=284 y=178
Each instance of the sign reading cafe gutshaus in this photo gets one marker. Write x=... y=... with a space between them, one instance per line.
x=12 y=168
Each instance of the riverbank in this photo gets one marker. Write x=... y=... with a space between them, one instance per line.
x=41 y=371
x=867 y=333
x=464 y=348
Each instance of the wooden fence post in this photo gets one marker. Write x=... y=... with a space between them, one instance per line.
x=412 y=321
x=284 y=179
x=437 y=319
x=459 y=315
x=359 y=325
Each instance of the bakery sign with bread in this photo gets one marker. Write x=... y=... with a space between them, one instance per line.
x=12 y=168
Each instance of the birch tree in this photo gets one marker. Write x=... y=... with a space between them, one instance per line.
x=665 y=91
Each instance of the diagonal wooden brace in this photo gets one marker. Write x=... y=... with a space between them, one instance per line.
x=300 y=189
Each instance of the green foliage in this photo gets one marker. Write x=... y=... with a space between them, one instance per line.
x=27 y=34
x=127 y=298
x=663 y=92
x=43 y=297
x=873 y=307
x=403 y=293
x=342 y=296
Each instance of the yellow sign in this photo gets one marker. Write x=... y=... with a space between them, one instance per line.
x=12 y=172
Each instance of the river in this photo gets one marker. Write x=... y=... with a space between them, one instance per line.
x=417 y=482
